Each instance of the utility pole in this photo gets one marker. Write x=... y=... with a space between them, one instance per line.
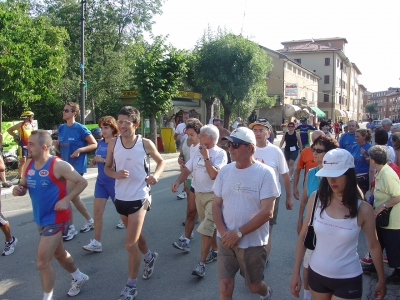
x=82 y=63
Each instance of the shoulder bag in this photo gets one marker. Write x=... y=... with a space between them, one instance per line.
x=310 y=240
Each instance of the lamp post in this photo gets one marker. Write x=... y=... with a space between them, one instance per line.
x=82 y=63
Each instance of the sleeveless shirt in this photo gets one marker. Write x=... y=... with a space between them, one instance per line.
x=290 y=141
x=45 y=191
x=134 y=160
x=335 y=254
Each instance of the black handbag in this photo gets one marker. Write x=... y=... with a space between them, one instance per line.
x=382 y=220
x=310 y=240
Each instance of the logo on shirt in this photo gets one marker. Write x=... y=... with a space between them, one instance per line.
x=71 y=139
x=43 y=173
x=45 y=183
x=260 y=160
x=31 y=172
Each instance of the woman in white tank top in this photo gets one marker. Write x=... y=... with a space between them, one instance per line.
x=334 y=269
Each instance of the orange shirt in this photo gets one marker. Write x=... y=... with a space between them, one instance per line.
x=306 y=160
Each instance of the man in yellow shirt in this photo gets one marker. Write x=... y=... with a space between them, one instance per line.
x=24 y=129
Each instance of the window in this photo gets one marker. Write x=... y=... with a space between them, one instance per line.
x=326 y=79
x=294 y=70
x=327 y=61
x=326 y=98
x=298 y=60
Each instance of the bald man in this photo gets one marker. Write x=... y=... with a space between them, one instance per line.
x=306 y=161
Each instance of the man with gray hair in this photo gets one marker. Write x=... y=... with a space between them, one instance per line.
x=387 y=125
x=205 y=165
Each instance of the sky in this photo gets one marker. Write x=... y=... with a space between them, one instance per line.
x=371 y=28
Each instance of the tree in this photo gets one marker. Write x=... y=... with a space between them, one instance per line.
x=157 y=76
x=32 y=59
x=370 y=108
x=233 y=69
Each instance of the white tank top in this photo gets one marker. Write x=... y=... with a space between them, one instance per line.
x=133 y=160
x=335 y=255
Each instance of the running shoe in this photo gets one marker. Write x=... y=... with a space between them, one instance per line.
x=270 y=294
x=88 y=226
x=128 y=293
x=182 y=195
x=211 y=256
x=366 y=260
x=149 y=266
x=393 y=279
x=181 y=244
x=6 y=184
x=93 y=246
x=76 y=285
x=199 y=270
x=71 y=233
x=120 y=225
x=385 y=260
x=10 y=246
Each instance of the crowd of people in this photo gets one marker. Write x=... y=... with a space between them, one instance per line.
x=232 y=185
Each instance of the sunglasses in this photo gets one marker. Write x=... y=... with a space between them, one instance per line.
x=318 y=150
x=67 y=110
x=237 y=145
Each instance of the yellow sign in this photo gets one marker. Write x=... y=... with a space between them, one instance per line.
x=184 y=94
x=167 y=136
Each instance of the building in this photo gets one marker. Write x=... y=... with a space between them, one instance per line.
x=386 y=104
x=338 y=88
x=292 y=85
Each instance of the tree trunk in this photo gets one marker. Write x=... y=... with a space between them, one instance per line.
x=153 y=129
x=227 y=115
x=209 y=102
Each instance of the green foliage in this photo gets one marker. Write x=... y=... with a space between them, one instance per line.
x=233 y=69
x=157 y=75
x=370 y=108
x=33 y=56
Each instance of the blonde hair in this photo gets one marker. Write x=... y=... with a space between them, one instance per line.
x=74 y=106
x=365 y=133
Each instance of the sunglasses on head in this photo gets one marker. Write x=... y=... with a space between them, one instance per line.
x=237 y=145
x=318 y=150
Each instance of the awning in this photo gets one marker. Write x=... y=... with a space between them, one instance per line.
x=319 y=112
x=340 y=113
x=290 y=109
x=349 y=114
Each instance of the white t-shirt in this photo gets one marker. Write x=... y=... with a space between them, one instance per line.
x=201 y=181
x=211 y=120
x=180 y=130
x=241 y=191
x=272 y=156
x=235 y=124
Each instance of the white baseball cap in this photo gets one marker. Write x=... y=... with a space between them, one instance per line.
x=335 y=163
x=240 y=135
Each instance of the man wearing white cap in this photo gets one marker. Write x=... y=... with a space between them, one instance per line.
x=271 y=155
x=245 y=192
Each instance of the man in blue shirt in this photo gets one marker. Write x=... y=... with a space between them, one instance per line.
x=370 y=125
x=305 y=129
x=349 y=139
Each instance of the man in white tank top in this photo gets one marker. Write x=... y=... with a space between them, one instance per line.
x=129 y=152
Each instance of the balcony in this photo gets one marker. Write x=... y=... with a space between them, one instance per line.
x=301 y=102
x=379 y=104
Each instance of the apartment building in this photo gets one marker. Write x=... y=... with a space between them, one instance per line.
x=326 y=57
x=292 y=85
x=387 y=104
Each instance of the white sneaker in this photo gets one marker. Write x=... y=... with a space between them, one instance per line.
x=182 y=195
x=10 y=246
x=120 y=225
x=71 y=233
x=76 y=285
x=93 y=246
x=88 y=226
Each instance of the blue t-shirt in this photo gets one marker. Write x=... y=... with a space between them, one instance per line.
x=102 y=177
x=360 y=163
x=347 y=141
x=71 y=138
x=305 y=131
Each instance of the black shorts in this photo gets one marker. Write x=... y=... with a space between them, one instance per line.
x=390 y=241
x=126 y=208
x=346 y=288
x=291 y=155
x=363 y=181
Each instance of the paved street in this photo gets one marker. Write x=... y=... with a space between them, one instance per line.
x=172 y=279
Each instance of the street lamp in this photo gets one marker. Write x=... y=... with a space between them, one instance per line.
x=82 y=63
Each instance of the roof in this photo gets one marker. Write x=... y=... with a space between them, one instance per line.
x=316 y=40
x=308 y=47
x=357 y=69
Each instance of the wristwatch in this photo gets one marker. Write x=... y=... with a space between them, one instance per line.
x=104 y=161
x=207 y=159
x=239 y=234
x=384 y=205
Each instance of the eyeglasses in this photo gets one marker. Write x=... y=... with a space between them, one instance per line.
x=124 y=123
x=318 y=150
x=237 y=145
x=67 y=110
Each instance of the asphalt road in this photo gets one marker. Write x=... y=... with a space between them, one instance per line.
x=172 y=279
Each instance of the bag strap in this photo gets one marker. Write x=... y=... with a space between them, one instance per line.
x=313 y=210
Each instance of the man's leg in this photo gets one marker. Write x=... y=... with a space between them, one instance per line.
x=191 y=215
x=226 y=286
x=81 y=207
x=206 y=242
x=5 y=227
